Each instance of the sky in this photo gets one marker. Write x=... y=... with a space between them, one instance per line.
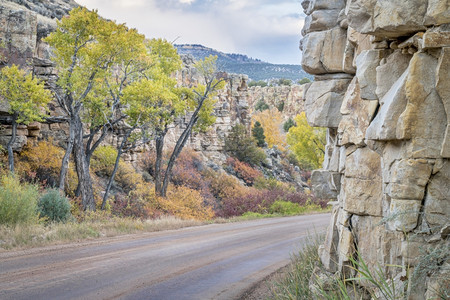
x=265 y=29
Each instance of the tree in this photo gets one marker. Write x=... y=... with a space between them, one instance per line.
x=271 y=121
x=304 y=80
x=307 y=143
x=86 y=48
x=285 y=81
x=261 y=105
x=166 y=102
x=243 y=147
x=288 y=124
x=258 y=134
x=27 y=99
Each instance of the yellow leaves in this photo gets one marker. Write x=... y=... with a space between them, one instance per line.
x=307 y=143
x=25 y=94
x=271 y=121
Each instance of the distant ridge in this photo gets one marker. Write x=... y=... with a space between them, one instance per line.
x=256 y=69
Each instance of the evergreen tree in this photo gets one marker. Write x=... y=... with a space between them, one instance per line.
x=258 y=134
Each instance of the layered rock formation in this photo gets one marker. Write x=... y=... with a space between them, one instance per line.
x=382 y=88
x=23 y=28
x=276 y=96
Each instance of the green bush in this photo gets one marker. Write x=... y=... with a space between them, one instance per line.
x=243 y=147
x=18 y=202
x=54 y=206
x=285 y=208
x=288 y=124
x=304 y=81
x=103 y=160
x=260 y=83
x=261 y=105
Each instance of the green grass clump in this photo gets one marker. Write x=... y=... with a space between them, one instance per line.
x=286 y=208
x=295 y=283
x=18 y=202
x=54 y=206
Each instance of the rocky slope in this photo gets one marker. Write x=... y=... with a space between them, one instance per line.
x=382 y=88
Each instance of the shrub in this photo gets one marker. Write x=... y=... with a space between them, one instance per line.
x=285 y=81
x=303 y=81
x=280 y=106
x=288 y=124
x=260 y=83
x=243 y=147
x=18 y=202
x=244 y=171
x=188 y=172
x=41 y=163
x=103 y=160
x=134 y=207
x=285 y=208
x=186 y=203
x=261 y=105
x=54 y=206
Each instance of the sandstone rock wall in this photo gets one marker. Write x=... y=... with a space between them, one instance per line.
x=274 y=96
x=382 y=88
x=22 y=29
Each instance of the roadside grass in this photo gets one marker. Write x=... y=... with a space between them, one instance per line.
x=100 y=224
x=295 y=282
x=28 y=236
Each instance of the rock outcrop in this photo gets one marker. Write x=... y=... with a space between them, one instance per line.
x=23 y=28
x=382 y=88
x=285 y=97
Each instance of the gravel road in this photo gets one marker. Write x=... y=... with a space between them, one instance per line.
x=219 y=261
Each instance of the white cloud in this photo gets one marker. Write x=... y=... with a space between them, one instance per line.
x=265 y=29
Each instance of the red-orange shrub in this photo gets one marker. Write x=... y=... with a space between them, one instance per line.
x=243 y=171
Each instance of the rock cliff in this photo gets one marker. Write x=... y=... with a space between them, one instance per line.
x=26 y=23
x=382 y=88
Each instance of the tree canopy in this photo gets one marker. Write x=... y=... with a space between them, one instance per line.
x=307 y=143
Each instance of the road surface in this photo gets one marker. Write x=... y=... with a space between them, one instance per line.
x=219 y=261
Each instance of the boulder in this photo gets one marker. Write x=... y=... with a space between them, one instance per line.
x=366 y=64
x=323 y=102
x=387 y=19
x=320 y=20
x=324 y=184
x=324 y=51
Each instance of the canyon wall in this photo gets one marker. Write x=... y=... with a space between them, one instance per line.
x=22 y=29
x=382 y=88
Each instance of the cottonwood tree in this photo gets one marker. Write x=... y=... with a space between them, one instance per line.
x=307 y=143
x=86 y=47
x=27 y=101
x=169 y=102
x=271 y=121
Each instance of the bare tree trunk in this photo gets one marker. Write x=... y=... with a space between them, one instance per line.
x=66 y=158
x=159 y=156
x=84 y=177
x=176 y=152
x=10 y=143
x=116 y=166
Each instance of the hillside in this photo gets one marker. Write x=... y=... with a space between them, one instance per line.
x=242 y=64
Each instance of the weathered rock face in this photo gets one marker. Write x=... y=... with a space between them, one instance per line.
x=383 y=88
x=278 y=96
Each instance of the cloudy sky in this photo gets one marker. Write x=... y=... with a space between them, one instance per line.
x=264 y=29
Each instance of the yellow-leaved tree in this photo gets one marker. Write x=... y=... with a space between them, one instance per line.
x=27 y=99
x=307 y=143
x=271 y=121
